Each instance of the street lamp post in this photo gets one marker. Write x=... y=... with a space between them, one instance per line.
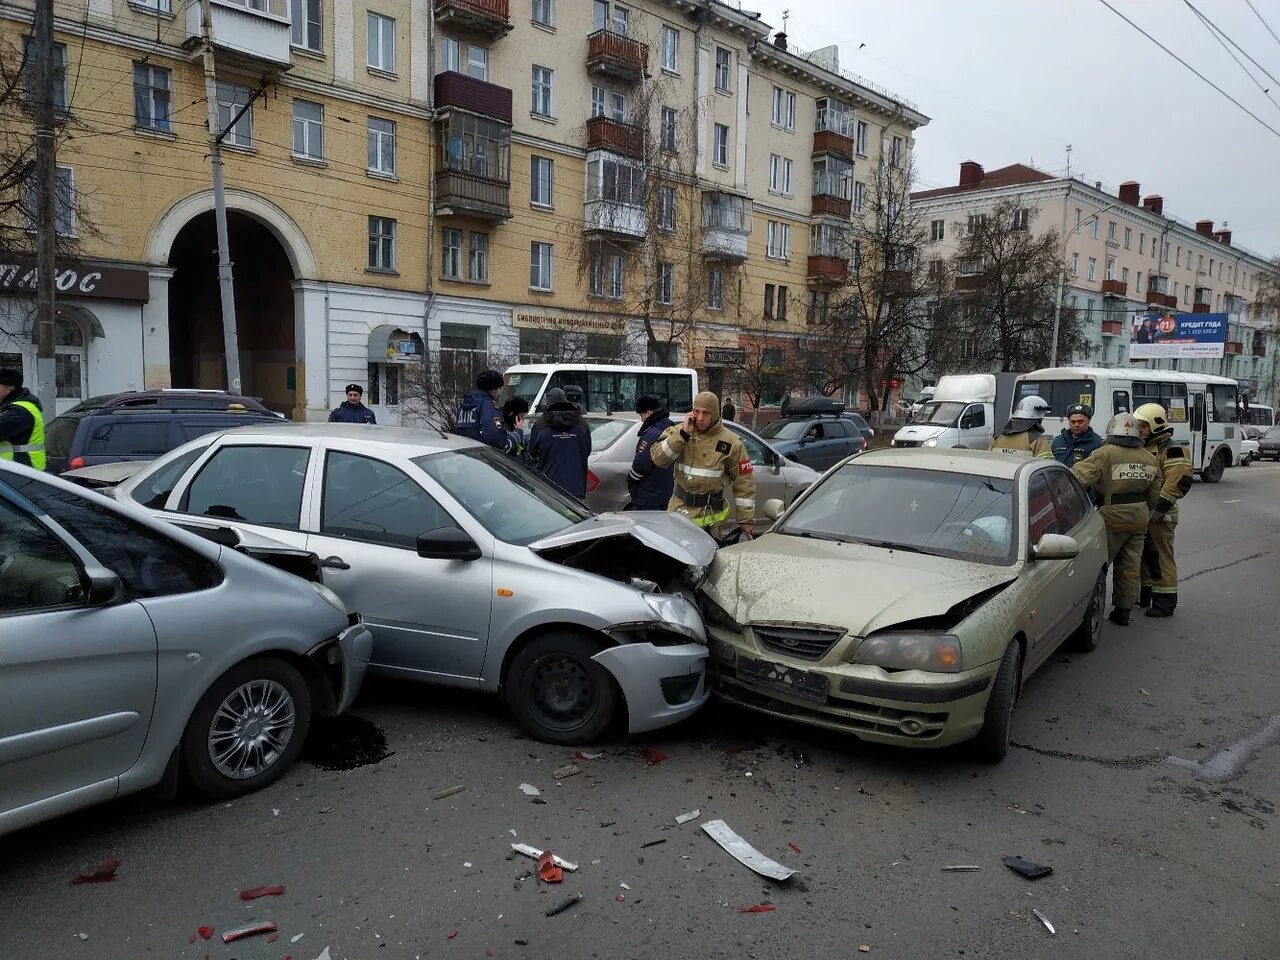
x=1062 y=277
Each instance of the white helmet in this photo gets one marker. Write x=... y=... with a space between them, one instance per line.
x=1123 y=427
x=1031 y=408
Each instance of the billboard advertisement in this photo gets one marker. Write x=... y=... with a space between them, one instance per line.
x=1158 y=336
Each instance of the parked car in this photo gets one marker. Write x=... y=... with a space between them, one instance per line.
x=1250 y=446
x=613 y=448
x=470 y=570
x=906 y=596
x=112 y=433
x=1269 y=444
x=133 y=653
x=818 y=440
x=184 y=398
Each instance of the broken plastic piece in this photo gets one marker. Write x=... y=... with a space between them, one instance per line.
x=233 y=935
x=273 y=938
x=563 y=905
x=961 y=868
x=864 y=948
x=691 y=815
x=548 y=872
x=324 y=954
x=534 y=853
x=793 y=847
x=529 y=790
x=452 y=934
x=653 y=843
x=620 y=898
x=105 y=873
x=1032 y=871
x=1045 y=920
x=578 y=754
x=255 y=892
x=654 y=755
x=744 y=852
x=448 y=791
x=206 y=933
x=758 y=908
x=568 y=771
x=624 y=886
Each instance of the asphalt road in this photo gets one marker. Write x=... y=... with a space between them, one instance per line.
x=1151 y=858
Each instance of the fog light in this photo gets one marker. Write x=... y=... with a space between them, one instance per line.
x=678 y=690
x=912 y=726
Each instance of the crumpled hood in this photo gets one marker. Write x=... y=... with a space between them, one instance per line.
x=668 y=533
x=920 y=432
x=857 y=588
x=108 y=474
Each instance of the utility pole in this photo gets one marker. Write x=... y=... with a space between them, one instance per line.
x=46 y=208
x=226 y=285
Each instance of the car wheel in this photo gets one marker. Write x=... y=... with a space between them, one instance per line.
x=1246 y=460
x=992 y=742
x=1214 y=471
x=247 y=729
x=557 y=693
x=1087 y=635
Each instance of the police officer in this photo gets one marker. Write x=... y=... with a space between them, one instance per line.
x=353 y=409
x=1125 y=479
x=479 y=417
x=1023 y=433
x=649 y=484
x=1078 y=439
x=514 y=412
x=1159 y=569
x=21 y=422
x=704 y=454
x=560 y=444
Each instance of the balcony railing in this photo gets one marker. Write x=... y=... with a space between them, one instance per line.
x=1259 y=348
x=455 y=89
x=969 y=281
x=460 y=193
x=1114 y=288
x=832 y=141
x=1233 y=347
x=825 y=203
x=1112 y=328
x=612 y=55
x=605 y=133
x=827 y=269
x=486 y=18
x=898 y=282
x=1156 y=299
x=620 y=220
x=726 y=224
x=250 y=34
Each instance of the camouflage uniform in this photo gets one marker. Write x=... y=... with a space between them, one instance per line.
x=1159 y=568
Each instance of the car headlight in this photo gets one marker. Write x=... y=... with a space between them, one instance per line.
x=331 y=598
x=936 y=652
x=679 y=615
x=931 y=442
x=893 y=443
x=717 y=616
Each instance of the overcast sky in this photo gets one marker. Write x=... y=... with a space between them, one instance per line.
x=1009 y=81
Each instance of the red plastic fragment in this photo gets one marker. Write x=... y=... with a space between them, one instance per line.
x=620 y=898
x=451 y=934
x=273 y=938
x=253 y=893
x=233 y=935
x=205 y=932
x=548 y=871
x=193 y=939
x=105 y=873
x=758 y=908
x=488 y=953
x=793 y=847
x=654 y=755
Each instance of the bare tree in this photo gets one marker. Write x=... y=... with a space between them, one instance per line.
x=1266 y=302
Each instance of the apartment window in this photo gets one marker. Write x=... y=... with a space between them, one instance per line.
x=382 y=146
x=478 y=260
x=670 y=48
x=543 y=15
x=1200 y=264
x=1177 y=260
x=306 y=20
x=715 y=288
x=59 y=74
x=1093 y=228
x=976 y=222
x=863 y=133
x=477 y=62
x=819 y=306
x=724 y=59
x=450 y=55
x=720 y=146
x=599 y=99
x=1142 y=243
x=1079 y=212
x=667 y=209
x=769 y=294
x=666 y=283
x=540 y=255
x=1111 y=230
x=784 y=108
x=855 y=256
x=895 y=208
x=833 y=177
x=382 y=43
x=618 y=106
x=1128 y=238
x=781 y=172
x=231 y=100
x=1021 y=219
x=64 y=202
x=670 y=118
x=1124 y=275
x=779 y=241
x=1166 y=252
x=451 y=254
x=781 y=312
x=382 y=243
x=151 y=97
x=540 y=179
x=308 y=130
x=1075 y=264
x=1186 y=293
x=1111 y=268
x=614 y=180
x=1093 y=269
x=543 y=91
x=1211 y=267
x=1140 y=287
x=859 y=197
x=895 y=152
x=616 y=276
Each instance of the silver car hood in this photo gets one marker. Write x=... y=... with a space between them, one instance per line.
x=667 y=533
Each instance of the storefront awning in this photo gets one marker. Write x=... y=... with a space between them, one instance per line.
x=391 y=344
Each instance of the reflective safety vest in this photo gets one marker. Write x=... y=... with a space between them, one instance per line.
x=34 y=447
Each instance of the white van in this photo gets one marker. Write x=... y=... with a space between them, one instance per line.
x=606 y=388
x=965 y=411
x=1259 y=415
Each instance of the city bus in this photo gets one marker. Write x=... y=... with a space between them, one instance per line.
x=1259 y=415
x=1203 y=409
x=606 y=388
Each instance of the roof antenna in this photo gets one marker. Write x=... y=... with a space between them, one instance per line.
x=1068 y=161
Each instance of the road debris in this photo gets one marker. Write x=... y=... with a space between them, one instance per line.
x=448 y=791
x=620 y=898
x=1028 y=869
x=231 y=936
x=296 y=938
x=560 y=773
x=653 y=754
x=758 y=908
x=548 y=872
x=624 y=886
x=864 y=948
x=744 y=852
x=205 y=933
x=255 y=892
x=563 y=905
x=451 y=935
x=961 y=868
x=466 y=864
x=521 y=942
x=579 y=755
x=793 y=847
x=324 y=954
x=686 y=817
x=104 y=873
x=1045 y=920
x=529 y=790
x=608 y=823
x=653 y=843
x=534 y=853
x=1143 y=692
x=82 y=936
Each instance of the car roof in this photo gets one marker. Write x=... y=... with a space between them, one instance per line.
x=982 y=463
x=359 y=436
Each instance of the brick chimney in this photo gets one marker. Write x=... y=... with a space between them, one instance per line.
x=1154 y=203
x=780 y=40
x=1224 y=236
x=971 y=174
x=1204 y=227
x=1129 y=193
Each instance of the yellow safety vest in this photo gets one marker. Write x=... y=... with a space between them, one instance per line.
x=34 y=447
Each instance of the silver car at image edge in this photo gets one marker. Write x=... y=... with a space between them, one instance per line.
x=132 y=653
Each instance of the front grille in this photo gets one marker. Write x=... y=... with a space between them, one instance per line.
x=906 y=443
x=803 y=643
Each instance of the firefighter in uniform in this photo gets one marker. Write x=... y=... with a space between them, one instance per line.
x=1159 y=569
x=21 y=422
x=704 y=454
x=1023 y=433
x=1125 y=479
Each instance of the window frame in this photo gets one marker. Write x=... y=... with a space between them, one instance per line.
x=153 y=122
x=537 y=248
x=385 y=25
x=550 y=13
x=478 y=253
x=727 y=65
x=666 y=283
x=715 y=288
x=182 y=491
x=451 y=253
x=312 y=131
x=537 y=181
x=667 y=201
x=376 y=142
x=301 y=25
x=235 y=136
x=669 y=128
x=669 y=49
x=364 y=536
x=720 y=145
x=384 y=243
x=543 y=90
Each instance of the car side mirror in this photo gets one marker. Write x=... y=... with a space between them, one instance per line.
x=98 y=588
x=1055 y=546
x=448 y=543
x=773 y=508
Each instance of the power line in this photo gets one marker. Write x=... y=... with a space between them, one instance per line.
x=1218 y=34
x=1224 y=93
x=1263 y=22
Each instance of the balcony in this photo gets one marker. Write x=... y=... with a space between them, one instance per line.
x=250 y=35
x=1168 y=300
x=1203 y=301
x=1201 y=308
x=605 y=133
x=476 y=96
x=829 y=141
x=1259 y=348
x=1233 y=348
x=621 y=221
x=490 y=19
x=1113 y=328
x=726 y=225
x=467 y=194
x=832 y=205
x=969 y=281
x=827 y=270
x=898 y=283
x=1115 y=288
x=617 y=57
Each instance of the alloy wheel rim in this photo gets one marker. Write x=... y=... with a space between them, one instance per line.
x=251 y=729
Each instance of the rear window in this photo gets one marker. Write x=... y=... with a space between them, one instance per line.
x=129 y=438
x=59 y=435
x=604 y=433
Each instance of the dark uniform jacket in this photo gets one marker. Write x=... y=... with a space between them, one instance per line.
x=346 y=413
x=650 y=485
x=559 y=448
x=1126 y=481
x=1068 y=449
x=480 y=419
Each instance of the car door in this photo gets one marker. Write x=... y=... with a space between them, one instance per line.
x=1074 y=513
x=845 y=439
x=77 y=681
x=811 y=447
x=975 y=433
x=429 y=618
x=766 y=468
x=1044 y=585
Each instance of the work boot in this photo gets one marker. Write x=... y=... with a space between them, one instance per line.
x=1119 y=617
x=1162 y=605
x=1144 y=598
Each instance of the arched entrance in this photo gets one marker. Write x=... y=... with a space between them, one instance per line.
x=264 y=310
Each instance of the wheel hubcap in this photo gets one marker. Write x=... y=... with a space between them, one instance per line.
x=251 y=729
x=563 y=691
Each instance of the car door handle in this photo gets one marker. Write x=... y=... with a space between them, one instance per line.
x=335 y=563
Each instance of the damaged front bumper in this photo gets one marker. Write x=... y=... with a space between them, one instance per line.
x=345 y=660
x=662 y=683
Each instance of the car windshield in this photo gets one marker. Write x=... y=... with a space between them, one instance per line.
x=513 y=504
x=943 y=514
x=1273 y=433
x=944 y=413
x=784 y=429
x=605 y=431
x=525 y=385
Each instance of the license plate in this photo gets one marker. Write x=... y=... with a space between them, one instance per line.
x=801 y=683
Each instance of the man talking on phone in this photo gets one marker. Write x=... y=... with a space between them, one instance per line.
x=707 y=457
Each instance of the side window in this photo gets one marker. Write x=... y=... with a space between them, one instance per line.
x=375 y=502
x=149 y=564
x=755 y=449
x=252 y=484
x=1197 y=412
x=1040 y=508
x=1120 y=402
x=815 y=432
x=36 y=568
x=130 y=438
x=1070 y=499
x=977 y=415
x=153 y=489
